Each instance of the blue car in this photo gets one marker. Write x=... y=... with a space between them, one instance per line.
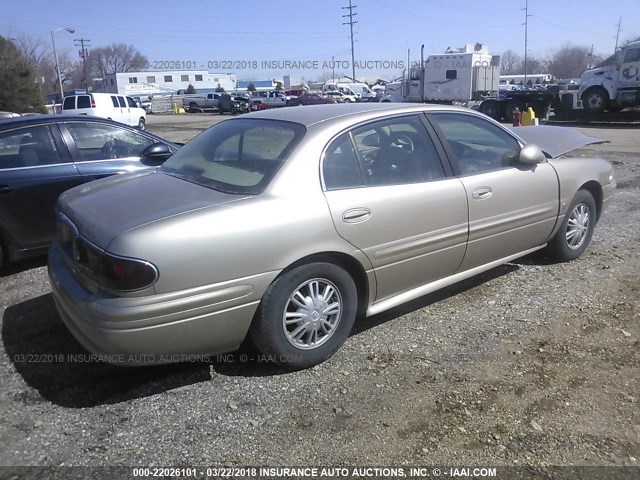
x=41 y=156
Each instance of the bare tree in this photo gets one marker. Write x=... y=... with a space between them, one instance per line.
x=39 y=55
x=570 y=61
x=510 y=63
x=116 y=58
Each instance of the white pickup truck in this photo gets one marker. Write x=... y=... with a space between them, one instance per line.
x=270 y=99
x=195 y=102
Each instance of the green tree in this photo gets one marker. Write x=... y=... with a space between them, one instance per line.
x=190 y=89
x=220 y=89
x=19 y=91
x=251 y=87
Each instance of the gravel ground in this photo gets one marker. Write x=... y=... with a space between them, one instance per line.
x=532 y=363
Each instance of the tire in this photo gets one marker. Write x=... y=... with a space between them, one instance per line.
x=576 y=229
x=491 y=109
x=595 y=99
x=302 y=343
x=2 y=255
x=142 y=124
x=193 y=105
x=509 y=107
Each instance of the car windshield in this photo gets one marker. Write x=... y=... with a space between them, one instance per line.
x=236 y=156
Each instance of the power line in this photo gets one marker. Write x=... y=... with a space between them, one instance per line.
x=526 y=26
x=83 y=43
x=351 y=23
x=617 y=35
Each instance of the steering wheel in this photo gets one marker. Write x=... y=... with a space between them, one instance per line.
x=403 y=141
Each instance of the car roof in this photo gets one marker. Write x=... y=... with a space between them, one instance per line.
x=53 y=118
x=66 y=117
x=313 y=114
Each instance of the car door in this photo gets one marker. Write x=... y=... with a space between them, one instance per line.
x=630 y=69
x=513 y=207
x=103 y=149
x=35 y=169
x=391 y=197
x=124 y=111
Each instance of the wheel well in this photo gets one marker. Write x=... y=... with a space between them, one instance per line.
x=350 y=264
x=594 y=189
x=592 y=88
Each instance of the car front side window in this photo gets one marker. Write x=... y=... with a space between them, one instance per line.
x=397 y=151
x=96 y=141
x=476 y=145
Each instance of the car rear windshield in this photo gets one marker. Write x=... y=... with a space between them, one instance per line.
x=236 y=156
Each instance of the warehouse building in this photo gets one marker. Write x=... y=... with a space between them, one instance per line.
x=156 y=82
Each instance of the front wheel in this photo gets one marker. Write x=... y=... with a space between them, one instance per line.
x=305 y=315
x=142 y=124
x=576 y=230
x=596 y=99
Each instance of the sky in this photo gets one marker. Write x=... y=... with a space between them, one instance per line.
x=246 y=37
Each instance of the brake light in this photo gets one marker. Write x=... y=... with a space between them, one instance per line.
x=93 y=102
x=125 y=274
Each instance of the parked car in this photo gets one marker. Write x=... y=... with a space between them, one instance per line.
x=340 y=97
x=275 y=98
x=287 y=224
x=106 y=105
x=309 y=99
x=9 y=115
x=233 y=104
x=41 y=156
x=198 y=102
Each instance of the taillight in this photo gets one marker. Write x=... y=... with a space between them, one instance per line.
x=125 y=274
x=93 y=102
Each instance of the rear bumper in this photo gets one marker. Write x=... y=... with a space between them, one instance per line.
x=156 y=329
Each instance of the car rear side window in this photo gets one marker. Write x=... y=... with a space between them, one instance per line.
x=28 y=147
x=97 y=141
x=114 y=100
x=122 y=103
x=340 y=168
x=69 y=103
x=477 y=145
x=236 y=156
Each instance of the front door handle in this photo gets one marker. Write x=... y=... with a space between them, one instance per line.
x=5 y=189
x=356 y=215
x=482 y=193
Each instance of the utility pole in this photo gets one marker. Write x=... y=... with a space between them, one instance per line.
x=617 y=35
x=83 y=43
x=526 y=26
x=351 y=23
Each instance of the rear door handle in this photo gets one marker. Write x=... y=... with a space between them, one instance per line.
x=481 y=193
x=356 y=215
x=5 y=189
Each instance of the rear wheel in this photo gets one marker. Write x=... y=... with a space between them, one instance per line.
x=305 y=315
x=576 y=230
x=491 y=108
x=595 y=99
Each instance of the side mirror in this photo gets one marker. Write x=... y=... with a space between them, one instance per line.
x=157 y=151
x=532 y=154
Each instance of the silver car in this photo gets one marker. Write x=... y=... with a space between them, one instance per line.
x=286 y=225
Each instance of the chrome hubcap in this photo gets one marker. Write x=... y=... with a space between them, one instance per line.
x=312 y=314
x=577 y=226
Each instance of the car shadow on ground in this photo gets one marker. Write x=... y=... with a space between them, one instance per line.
x=51 y=361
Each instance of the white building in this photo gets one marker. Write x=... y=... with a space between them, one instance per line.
x=156 y=82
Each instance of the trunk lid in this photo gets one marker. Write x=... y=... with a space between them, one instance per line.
x=103 y=209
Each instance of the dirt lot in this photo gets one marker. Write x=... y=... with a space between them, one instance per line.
x=532 y=363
